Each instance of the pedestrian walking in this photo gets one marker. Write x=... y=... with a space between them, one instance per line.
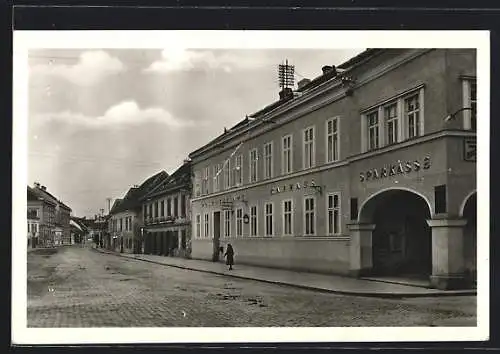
x=229 y=256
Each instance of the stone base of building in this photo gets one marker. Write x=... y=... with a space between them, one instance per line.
x=450 y=282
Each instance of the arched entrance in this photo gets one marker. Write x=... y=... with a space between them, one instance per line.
x=401 y=239
x=469 y=212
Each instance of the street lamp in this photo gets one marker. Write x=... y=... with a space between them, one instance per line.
x=454 y=114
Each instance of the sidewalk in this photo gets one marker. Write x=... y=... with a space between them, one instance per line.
x=311 y=281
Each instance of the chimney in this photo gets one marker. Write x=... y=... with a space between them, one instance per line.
x=286 y=93
x=303 y=83
x=44 y=188
x=326 y=69
x=187 y=161
x=36 y=184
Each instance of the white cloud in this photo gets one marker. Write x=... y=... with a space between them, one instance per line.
x=124 y=113
x=180 y=59
x=92 y=67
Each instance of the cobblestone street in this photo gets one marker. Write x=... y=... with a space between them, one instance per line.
x=78 y=287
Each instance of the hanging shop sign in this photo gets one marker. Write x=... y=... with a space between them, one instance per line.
x=293 y=187
x=401 y=167
x=246 y=219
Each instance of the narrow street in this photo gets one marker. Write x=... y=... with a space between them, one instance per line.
x=79 y=287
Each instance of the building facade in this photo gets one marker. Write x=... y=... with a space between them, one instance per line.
x=367 y=170
x=126 y=220
x=166 y=215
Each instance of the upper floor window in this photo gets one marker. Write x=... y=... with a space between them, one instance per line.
x=238 y=170
x=162 y=208
x=121 y=224
x=268 y=160
x=253 y=165
x=308 y=148
x=470 y=103
x=169 y=207
x=239 y=222
x=183 y=205
x=217 y=173
x=268 y=217
x=287 y=158
x=204 y=181
x=253 y=220
x=372 y=120
x=227 y=174
x=309 y=216
x=412 y=113
x=333 y=217
x=287 y=217
x=227 y=223
x=391 y=120
x=332 y=139
x=176 y=207
x=197 y=185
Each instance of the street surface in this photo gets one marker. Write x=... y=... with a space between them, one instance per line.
x=79 y=287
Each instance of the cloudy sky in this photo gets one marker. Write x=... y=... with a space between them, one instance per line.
x=103 y=120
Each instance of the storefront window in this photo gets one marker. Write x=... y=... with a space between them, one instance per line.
x=287 y=217
x=239 y=222
x=227 y=223
x=253 y=221
x=269 y=219
x=206 y=225
x=309 y=216
x=198 y=226
x=333 y=214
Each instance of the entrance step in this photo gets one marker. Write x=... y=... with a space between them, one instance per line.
x=418 y=282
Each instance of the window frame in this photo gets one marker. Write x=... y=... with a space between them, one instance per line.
x=332 y=210
x=312 y=147
x=253 y=165
x=305 y=213
x=288 y=150
x=266 y=221
x=284 y=214
x=376 y=129
x=198 y=226
x=467 y=103
x=227 y=220
x=268 y=156
x=391 y=119
x=238 y=178
x=335 y=134
x=406 y=114
x=227 y=174
x=239 y=222
x=206 y=225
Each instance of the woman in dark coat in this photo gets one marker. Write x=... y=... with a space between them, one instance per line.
x=229 y=256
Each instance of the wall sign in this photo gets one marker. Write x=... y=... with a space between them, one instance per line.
x=401 y=167
x=293 y=187
x=225 y=202
x=470 y=151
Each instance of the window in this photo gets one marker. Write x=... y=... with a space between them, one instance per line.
x=268 y=160
x=169 y=207
x=333 y=217
x=204 y=182
x=176 y=207
x=238 y=170
x=308 y=149
x=197 y=186
x=253 y=165
x=253 y=221
x=206 y=224
x=372 y=119
x=287 y=158
x=391 y=121
x=239 y=222
x=162 y=208
x=470 y=102
x=287 y=217
x=183 y=205
x=121 y=224
x=332 y=140
x=145 y=212
x=227 y=174
x=217 y=172
x=156 y=209
x=227 y=223
x=198 y=226
x=309 y=224
x=268 y=208
x=412 y=112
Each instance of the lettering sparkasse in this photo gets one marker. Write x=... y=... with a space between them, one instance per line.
x=293 y=187
x=401 y=167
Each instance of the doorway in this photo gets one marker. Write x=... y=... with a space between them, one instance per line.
x=216 y=244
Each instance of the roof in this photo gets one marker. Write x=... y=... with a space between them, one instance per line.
x=347 y=65
x=48 y=196
x=131 y=200
x=179 y=179
x=79 y=223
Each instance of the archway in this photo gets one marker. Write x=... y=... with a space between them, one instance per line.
x=402 y=239
x=469 y=212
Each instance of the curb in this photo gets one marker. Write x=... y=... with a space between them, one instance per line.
x=306 y=287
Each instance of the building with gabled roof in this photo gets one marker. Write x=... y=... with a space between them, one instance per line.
x=166 y=215
x=126 y=216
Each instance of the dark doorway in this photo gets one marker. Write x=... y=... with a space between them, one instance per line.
x=402 y=239
x=216 y=253
x=470 y=237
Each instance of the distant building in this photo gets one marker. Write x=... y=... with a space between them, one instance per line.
x=48 y=218
x=166 y=215
x=126 y=217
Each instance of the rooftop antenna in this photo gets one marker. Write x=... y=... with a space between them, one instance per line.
x=286 y=75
